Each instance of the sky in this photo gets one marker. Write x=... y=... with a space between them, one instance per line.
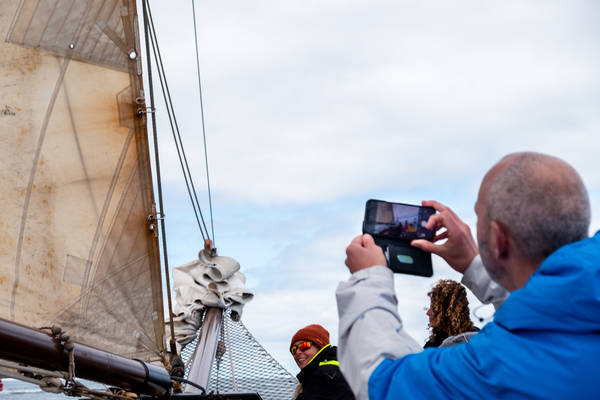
x=313 y=107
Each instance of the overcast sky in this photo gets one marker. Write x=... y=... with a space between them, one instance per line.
x=313 y=107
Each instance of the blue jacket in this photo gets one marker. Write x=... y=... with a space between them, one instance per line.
x=544 y=342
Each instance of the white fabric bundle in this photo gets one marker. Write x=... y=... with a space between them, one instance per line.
x=206 y=282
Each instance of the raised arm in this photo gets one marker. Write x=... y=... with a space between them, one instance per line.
x=370 y=328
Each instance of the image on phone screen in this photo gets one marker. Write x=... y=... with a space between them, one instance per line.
x=397 y=220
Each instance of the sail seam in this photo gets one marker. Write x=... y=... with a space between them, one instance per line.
x=94 y=46
x=107 y=202
x=78 y=144
x=32 y=174
x=48 y=23
x=91 y=270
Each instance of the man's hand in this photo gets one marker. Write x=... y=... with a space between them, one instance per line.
x=460 y=248
x=363 y=253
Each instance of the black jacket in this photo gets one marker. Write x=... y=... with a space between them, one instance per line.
x=322 y=379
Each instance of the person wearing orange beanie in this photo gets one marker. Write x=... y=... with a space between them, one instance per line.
x=320 y=376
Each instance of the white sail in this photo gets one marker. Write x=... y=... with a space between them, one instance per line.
x=76 y=244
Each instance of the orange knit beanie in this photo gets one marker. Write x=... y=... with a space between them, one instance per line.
x=315 y=333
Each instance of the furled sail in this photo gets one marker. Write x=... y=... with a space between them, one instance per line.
x=77 y=248
x=209 y=281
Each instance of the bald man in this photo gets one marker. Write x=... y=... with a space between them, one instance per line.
x=533 y=217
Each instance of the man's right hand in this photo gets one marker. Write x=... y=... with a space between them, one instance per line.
x=460 y=248
x=363 y=253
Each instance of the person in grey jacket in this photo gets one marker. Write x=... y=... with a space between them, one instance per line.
x=533 y=215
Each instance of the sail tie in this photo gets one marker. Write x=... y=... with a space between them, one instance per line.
x=65 y=340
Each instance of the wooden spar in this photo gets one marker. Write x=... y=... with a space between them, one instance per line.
x=205 y=349
x=21 y=344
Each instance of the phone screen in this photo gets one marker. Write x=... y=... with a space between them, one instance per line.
x=397 y=220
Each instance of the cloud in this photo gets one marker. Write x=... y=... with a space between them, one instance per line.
x=275 y=317
x=306 y=107
x=313 y=107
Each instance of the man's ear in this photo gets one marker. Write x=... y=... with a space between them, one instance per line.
x=499 y=240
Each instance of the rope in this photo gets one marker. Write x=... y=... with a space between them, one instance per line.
x=212 y=226
x=230 y=355
x=173 y=346
x=33 y=372
x=220 y=348
x=175 y=128
x=49 y=384
x=193 y=356
x=82 y=390
x=25 y=368
x=61 y=337
x=50 y=381
x=178 y=379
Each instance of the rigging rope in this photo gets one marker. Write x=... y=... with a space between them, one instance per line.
x=172 y=345
x=230 y=355
x=212 y=226
x=50 y=381
x=182 y=380
x=175 y=129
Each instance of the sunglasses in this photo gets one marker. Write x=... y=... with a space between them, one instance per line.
x=302 y=346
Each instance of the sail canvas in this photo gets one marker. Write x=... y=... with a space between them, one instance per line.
x=77 y=248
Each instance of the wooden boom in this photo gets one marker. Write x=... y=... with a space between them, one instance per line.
x=35 y=348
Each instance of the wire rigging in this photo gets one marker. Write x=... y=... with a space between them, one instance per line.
x=173 y=347
x=212 y=226
x=175 y=129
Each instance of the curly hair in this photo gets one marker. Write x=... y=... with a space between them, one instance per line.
x=450 y=309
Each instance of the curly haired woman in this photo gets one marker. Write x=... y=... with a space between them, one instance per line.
x=449 y=315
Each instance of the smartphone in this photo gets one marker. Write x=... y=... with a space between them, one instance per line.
x=394 y=226
x=397 y=220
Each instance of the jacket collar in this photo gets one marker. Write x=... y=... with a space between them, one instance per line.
x=562 y=295
x=314 y=362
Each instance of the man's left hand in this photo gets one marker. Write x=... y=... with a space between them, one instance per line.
x=363 y=253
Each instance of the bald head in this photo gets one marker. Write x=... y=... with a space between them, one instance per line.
x=539 y=199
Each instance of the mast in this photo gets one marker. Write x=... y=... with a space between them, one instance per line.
x=78 y=195
x=80 y=247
